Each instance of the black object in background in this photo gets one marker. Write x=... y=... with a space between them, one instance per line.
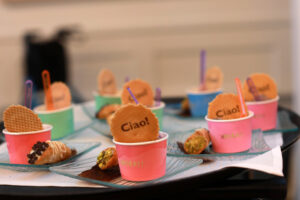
x=49 y=54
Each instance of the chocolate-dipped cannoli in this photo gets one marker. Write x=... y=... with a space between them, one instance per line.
x=49 y=152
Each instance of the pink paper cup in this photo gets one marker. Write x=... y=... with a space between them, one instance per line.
x=265 y=113
x=20 y=144
x=230 y=136
x=143 y=161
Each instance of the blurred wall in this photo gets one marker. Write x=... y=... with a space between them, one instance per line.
x=295 y=41
x=155 y=40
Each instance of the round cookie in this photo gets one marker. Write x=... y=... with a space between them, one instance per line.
x=134 y=123
x=61 y=95
x=106 y=82
x=18 y=118
x=224 y=106
x=141 y=90
x=265 y=86
x=213 y=78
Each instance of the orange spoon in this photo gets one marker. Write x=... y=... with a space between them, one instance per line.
x=47 y=90
x=241 y=98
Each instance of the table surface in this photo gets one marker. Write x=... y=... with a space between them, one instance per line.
x=226 y=183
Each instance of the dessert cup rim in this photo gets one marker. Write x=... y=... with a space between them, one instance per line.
x=46 y=127
x=251 y=114
x=95 y=93
x=162 y=105
x=191 y=92
x=165 y=137
x=263 y=102
x=36 y=109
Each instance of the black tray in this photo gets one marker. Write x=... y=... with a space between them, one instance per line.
x=210 y=185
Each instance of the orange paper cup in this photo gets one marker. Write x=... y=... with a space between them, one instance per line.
x=143 y=161
x=20 y=144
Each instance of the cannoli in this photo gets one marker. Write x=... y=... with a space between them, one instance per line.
x=107 y=158
x=107 y=110
x=185 y=106
x=49 y=152
x=109 y=118
x=197 y=142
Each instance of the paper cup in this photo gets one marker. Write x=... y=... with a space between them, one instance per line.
x=101 y=101
x=159 y=113
x=143 y=161
x=20 y=144
x=265 y=114
x=230 y=136
x=199 y=101
x=62 y=120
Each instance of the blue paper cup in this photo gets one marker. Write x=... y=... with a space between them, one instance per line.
x=62 y=120
x=101 y=101
x=159 y=113
x=199 y=101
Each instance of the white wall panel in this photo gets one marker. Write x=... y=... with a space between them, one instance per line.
x=158 y=41
x=170 y=59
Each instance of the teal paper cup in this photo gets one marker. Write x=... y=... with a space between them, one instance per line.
x=62 y=120
x=159 y=113
x=199 y=101
x=101 y=101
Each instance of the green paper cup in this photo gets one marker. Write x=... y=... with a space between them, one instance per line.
x=62 y=120
x=159 y=113
x=101 y=101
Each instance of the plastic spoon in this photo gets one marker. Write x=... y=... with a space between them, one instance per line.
x=47 y=90
x=254 y=91
x=131 y=94
x=241 y=98
x=202 y=69
x=28 y=93
x=157 y=96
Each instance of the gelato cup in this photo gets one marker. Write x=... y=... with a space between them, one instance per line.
x=159 y=113
x=143 y=161
x=230 y=136
x=199 y=101
x=265 y=113
x=62 y=120
x=101 y=101
x=20 y=144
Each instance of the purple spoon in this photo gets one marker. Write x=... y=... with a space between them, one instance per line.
x=254 y=91
x=28 y=93
x=131 y=94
